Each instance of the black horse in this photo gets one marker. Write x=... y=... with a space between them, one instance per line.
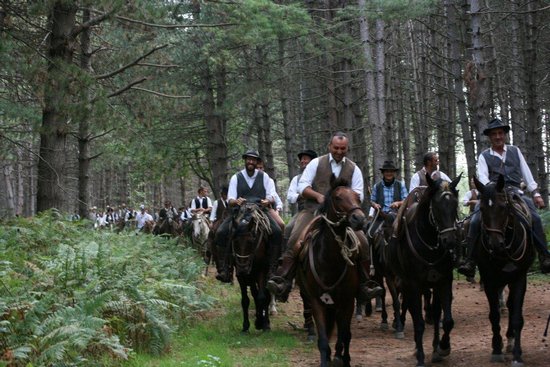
x=251 y=230
x=378 y=234
x=422 y=256
x=327 y=274
x=504 y=254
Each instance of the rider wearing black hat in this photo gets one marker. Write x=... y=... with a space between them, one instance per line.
x=508 y=161
x=252 y=185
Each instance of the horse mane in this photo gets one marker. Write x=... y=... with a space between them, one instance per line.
x=334 y=183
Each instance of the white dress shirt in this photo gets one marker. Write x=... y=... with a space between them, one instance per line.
x=415 y=179
x=293 y=194
x=311 y=169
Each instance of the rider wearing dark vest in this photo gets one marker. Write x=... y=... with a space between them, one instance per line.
x=387 y=195
x=506 y=160
x=240 y=191
x=316 y=179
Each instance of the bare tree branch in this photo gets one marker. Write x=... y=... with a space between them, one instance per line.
x=94 y=21
x=127 y=87
x=173 y=26
x=135 y=62
x=158 y=93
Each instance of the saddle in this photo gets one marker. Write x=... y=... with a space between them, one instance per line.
x=405 y=213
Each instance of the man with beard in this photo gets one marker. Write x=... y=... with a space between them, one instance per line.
x=253 y=185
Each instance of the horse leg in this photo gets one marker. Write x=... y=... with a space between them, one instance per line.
x=322 y=335
x=384 y=315
x=414 y=303
x=308 y=317
x=358 y=309
x=428 y=318
x=436 y=313
x=245 y=304
x=344 y=336
x=396 y=305
x=516 y=298
x=491 y=292
x=445 y=297
x=273 y=307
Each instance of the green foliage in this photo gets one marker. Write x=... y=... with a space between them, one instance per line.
x=72 y=296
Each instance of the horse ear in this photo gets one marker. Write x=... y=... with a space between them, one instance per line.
x=456 y=181
x=500 y=183
x=479 y=186
x=429 y=180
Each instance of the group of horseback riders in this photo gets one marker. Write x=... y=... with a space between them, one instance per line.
x=389 y=197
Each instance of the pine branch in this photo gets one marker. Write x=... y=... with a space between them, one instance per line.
x=135 y=62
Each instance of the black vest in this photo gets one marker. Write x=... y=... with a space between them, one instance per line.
x=511 y=169
x=379 y=188
x=254 y=193
x=204 y=204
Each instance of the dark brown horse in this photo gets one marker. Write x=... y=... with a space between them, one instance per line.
x=422 y=256
x=379 y=233
x=251 y=230
x=327 y=274
x=504 y=254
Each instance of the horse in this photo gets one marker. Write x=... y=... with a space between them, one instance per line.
x=504 y=254
x=199 y=236
x=378 y=234
x=251 y=231
x=327 y=272
x=422 y=254
x=166 y=227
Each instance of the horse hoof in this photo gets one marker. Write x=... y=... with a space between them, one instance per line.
x=517 y=364
x=436 y=357
x=399 y=335
x=497 y=357
x=245 y=332
x=311 y=338
x=337 y=362
x=443 y=352
x=510 y=345
x=378 y=309
x=358 y=317
x=384 y=326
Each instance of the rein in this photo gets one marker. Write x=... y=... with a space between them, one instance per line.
x=346 y=252
x=261 y=227
x=523 y=221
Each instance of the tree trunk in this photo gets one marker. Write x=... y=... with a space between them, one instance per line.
x=8 y=181
x=478 y=76
x=378 y=137
x=84 y=124
x=55 y=127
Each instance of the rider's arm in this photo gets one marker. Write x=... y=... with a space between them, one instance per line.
x=357 y=184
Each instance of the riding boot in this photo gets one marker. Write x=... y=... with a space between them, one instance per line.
x=225 y=273
x=366 y=293
x=280 y=284
x=468 y=265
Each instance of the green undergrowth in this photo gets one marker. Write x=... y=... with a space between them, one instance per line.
x=72 y=296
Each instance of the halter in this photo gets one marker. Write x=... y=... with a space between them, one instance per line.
x=261 y=227
x=433 y=223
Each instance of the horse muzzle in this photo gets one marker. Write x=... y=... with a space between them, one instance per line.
x=356 y=220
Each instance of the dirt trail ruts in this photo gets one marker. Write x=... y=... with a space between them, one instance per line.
x=470 y=338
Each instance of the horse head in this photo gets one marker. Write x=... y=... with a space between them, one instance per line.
x=251 y=227
x=496 y=212
x=343 y=205
x=443 y=201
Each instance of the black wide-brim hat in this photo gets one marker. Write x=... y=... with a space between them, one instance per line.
x=309 y=153
x=388 y=166
x=496 y=124
x=252 y=153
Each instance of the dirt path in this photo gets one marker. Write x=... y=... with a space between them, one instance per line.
x=470 y=338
